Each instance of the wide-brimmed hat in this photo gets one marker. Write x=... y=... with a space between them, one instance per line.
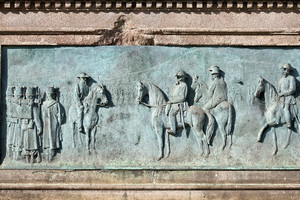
x=82 y=75
x=180 y=74
x=214 y=69
x=287 y=66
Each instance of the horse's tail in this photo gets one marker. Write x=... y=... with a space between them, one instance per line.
x=210 y=128
x=230 y=120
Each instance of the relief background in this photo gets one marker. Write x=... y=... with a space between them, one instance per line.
x=125 y=139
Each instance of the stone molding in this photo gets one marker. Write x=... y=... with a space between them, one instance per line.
x=178 y=5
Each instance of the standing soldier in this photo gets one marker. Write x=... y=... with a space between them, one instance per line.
x=177 y=101
x=286 y=90
x=81 y=91
x=217 y=91
x=33 y=128
x=10 y=119
x=17 y=114
x=52 y=118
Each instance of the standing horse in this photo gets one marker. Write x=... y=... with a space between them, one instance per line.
x=195 y=118
x=223 y=112
x=90 y=117
x=274 y=113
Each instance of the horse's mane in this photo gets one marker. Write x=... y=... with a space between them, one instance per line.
x=273 y=95
x=89 y=97
x=157 y=97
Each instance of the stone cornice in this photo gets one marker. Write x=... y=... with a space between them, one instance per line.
x=148 y=5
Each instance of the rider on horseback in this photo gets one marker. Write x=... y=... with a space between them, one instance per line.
x=286 y=89
x=81 y=92
x=177 y=102
x=217 y=91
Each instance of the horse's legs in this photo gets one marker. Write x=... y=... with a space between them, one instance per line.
x=167 y=143
x=93 y=134
x=288 y=138
x=224 y=135
x=261 y=131
x=87 y=138
x=73 y=129
x=230 y=141
x=199 y=140
x=159 y=133
x=275 y=142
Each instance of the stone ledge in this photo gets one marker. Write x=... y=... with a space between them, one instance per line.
x=178 y=5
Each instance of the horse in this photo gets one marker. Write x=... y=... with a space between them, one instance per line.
x=195 y=117
x=274 y=112
x=223 y=112
x=90 y=116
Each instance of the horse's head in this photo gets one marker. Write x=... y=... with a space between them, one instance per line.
x=196 y=86
x=141 y=91
x=101 y=94
x=260 y=88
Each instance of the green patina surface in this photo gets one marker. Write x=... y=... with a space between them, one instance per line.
x=125 y=138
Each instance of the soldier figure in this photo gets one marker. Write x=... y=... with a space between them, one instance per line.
x=177 y=102
x=17 y=139
x=81 y=91
x=11 y=121
x=32 y=128
x=217 y=91
x=286 y=90
x=52 y=119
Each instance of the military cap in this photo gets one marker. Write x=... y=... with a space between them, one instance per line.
x=10 y=91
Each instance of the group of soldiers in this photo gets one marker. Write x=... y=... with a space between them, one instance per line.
x=33 y=123
x=217 y=93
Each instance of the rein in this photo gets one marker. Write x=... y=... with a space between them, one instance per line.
x=151 y=106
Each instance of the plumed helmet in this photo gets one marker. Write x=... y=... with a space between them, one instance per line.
x=10 y=91
x=29 y=91
x=82 y=75
x=181 y=74
x=214 y=69
x=287 y=66
x=18 y=91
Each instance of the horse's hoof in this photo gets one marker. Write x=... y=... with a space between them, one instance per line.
x=275 y=152
x=206 y=155
x=285 y=146
x=159 y=158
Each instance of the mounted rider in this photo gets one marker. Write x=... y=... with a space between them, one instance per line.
x=217 y=91
x=286 y=91
x=81 y=92
x=177 y=103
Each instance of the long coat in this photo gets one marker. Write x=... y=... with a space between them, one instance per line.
x=51 y=114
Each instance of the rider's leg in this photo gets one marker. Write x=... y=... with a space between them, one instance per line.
x=287 y=114
x=172 y=121
x=80 y=117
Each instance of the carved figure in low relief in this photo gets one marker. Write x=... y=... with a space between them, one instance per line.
x=216 y=96
x=281 y=107
x=32 y=127
x=192 y=116
x=177 y=104
x=80 y=93
x=17 y=114
x=52 y=120
x=10 y=119
x=89 y=102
